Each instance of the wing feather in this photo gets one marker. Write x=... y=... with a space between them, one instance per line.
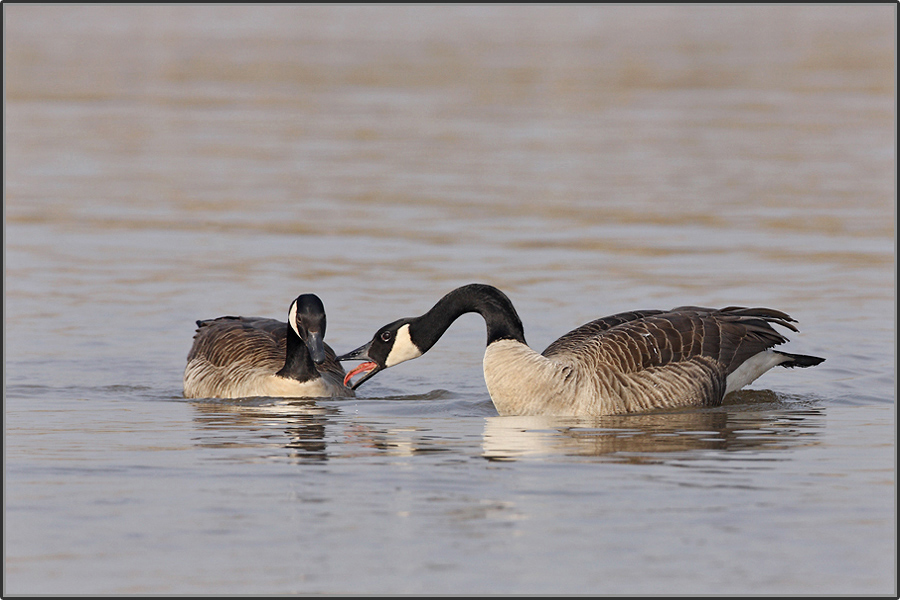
x=644 y=339
x=251 y=345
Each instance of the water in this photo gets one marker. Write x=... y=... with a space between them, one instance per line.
x=169 y=163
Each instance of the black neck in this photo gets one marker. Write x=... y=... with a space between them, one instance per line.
x=500 y=316
x=298 y=364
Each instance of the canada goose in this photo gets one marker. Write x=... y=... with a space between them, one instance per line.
x=239 y=357
x=628 y=362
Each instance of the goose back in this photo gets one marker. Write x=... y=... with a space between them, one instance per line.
x=687 y=356
x=237 y=357
x=638 y=340
x=641 y=360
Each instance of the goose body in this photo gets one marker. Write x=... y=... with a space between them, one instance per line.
x=629 y=362
x=240 y=357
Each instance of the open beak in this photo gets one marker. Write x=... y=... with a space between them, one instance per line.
x=368 y=368
x=315 y=342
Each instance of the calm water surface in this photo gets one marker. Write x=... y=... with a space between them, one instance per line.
x=170 y=163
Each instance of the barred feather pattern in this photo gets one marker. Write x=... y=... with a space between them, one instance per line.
x=634 y=361
x=238 y=357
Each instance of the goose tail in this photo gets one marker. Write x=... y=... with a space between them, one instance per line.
x=800 y=360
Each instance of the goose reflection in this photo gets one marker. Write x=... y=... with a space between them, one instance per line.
x=305 y=430
x=760 y=422
x=255 y=423
x=313 y=432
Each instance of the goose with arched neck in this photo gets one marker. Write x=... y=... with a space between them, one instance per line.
x=628 y=362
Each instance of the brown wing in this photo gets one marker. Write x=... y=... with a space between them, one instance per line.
x=261 y=341
x=229 y=340
x=588 y=331
x=640 y=340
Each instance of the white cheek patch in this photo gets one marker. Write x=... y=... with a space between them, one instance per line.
x=292 y=318
x=403 y=349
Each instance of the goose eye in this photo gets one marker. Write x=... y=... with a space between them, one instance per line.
x=385 y=336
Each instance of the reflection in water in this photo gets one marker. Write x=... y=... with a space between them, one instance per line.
x=313 y=432
x=756 y=424
x=254 y=422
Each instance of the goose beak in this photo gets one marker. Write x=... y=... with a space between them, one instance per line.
x=315 y=342
x=368 y=368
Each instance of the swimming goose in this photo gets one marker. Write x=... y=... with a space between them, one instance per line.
x=629 y=362
x=240 y=357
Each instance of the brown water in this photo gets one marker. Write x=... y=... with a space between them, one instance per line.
x=169 y=163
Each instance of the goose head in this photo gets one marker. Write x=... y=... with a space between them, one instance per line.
x=410 y=338
x=391 y=345
x=307 y=318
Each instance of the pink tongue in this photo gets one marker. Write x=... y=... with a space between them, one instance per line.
x=362 y=368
